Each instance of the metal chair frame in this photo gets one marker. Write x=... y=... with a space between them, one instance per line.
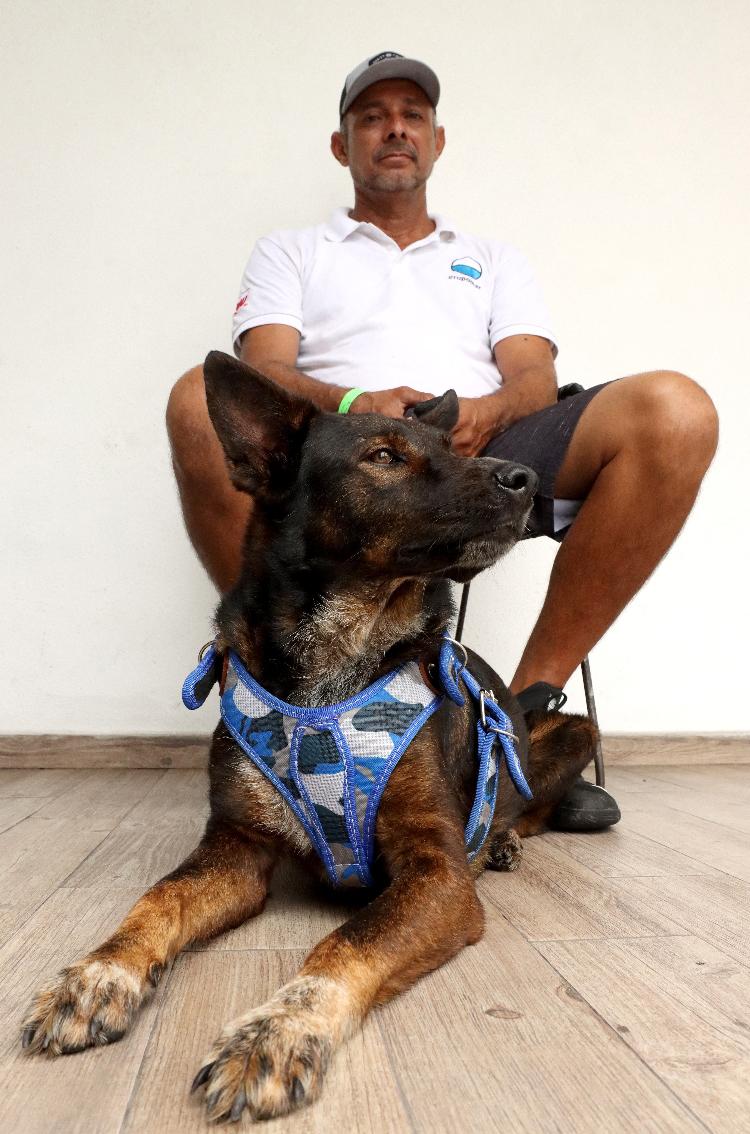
x=567 y=391
x=588 y=687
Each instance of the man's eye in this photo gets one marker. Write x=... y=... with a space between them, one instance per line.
x=382 y=457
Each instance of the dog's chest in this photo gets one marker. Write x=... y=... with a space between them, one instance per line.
x=326 y=767
x=267 y=809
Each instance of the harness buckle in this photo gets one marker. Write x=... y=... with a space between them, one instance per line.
x=483 y=694
x=504 y=732
x=492 y=725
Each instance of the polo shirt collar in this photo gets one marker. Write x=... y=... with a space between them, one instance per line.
x=341 y=225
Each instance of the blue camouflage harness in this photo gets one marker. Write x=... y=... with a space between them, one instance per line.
x=332 y=764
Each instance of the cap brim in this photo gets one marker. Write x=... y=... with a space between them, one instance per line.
x=410 y=69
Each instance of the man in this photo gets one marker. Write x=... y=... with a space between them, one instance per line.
x=386 y=306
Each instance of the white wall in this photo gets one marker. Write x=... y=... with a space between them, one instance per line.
x=149 y=144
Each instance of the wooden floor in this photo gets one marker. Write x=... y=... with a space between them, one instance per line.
x=611 y=991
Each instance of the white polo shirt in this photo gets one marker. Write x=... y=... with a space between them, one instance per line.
x=373 y=315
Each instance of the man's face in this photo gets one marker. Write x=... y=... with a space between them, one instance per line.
x=389 y=140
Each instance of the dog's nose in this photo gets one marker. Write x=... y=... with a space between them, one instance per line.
x=516 y=478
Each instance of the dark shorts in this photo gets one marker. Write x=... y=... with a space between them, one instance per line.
x=541 y=441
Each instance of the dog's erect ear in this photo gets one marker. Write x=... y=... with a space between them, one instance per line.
x=260 y=425
x=440 y=412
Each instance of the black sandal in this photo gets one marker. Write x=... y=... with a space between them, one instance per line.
x=585 y=806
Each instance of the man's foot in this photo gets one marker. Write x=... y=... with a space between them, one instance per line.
x=586 y=806
x=541 y=697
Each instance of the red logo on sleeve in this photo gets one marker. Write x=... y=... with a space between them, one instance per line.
x=242 y=301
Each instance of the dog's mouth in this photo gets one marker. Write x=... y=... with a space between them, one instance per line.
x=472 y=552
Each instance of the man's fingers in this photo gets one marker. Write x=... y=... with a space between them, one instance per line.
x=391 y=403
x=411 y=397
x=463 y=439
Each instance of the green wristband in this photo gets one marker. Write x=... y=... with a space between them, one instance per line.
x=348 y=398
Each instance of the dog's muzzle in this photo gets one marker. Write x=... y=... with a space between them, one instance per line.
x=519 y=480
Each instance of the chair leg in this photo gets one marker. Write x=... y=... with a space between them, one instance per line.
x=462 y=611
x=588 y=688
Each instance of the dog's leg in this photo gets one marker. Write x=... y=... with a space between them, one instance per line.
x=221 y=884
x=273 y=1059
x=560 y=747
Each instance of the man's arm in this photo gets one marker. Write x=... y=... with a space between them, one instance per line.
x=273 y=349
x=529 y=384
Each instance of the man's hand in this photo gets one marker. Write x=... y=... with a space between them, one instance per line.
x=479 y=420
x=529 y=384
x=391 y=403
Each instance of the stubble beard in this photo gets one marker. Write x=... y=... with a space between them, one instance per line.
x=394 y=181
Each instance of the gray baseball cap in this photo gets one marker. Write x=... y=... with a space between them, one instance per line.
x=388 y=65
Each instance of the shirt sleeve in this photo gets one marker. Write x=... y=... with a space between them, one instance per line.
x=271 y=291
x=518 y=307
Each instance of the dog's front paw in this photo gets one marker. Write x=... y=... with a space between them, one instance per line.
x=89 y=1004
x=273 y=1060
x=506 y=851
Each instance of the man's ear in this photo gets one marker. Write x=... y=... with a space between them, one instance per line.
x=338 y=148
x=260 y=425
x=442 y=412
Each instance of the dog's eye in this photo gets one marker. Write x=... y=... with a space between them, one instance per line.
x=382 y=457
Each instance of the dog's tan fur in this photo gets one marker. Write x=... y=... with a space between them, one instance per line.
x=424 y=906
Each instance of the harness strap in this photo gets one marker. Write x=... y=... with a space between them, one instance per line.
x=199 y=683
x=361 y=772
x=330 y=763
x=493 y=726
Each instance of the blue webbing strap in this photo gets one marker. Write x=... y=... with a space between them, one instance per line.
x=360 y=840
x=200 y=682
x=498 y=727
x=493 y=726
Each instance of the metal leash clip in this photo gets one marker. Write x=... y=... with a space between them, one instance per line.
x=457 y=668
x=483 y=694
x=493 y=725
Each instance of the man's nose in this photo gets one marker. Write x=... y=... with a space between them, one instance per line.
x=397 y=128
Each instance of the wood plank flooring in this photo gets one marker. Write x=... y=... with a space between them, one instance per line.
x=611 y=991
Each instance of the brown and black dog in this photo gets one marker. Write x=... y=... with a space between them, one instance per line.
x=360 y=523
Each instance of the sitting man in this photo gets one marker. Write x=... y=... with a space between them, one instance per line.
x=385 y=306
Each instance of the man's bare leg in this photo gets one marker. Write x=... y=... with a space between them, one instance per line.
x=216 y=514
x=638 y=456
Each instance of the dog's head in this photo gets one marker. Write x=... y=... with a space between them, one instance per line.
x=386 y=496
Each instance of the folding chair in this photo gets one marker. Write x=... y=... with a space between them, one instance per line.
x=588 y=687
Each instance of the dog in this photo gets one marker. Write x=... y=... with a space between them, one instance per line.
x=360 y=524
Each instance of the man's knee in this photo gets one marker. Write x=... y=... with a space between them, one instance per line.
x=673 y=415
x=186 y=406
x=191 y=435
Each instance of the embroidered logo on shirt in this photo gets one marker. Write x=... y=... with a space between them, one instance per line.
x=466 y=266
x=465 y=269
x=242 y=301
